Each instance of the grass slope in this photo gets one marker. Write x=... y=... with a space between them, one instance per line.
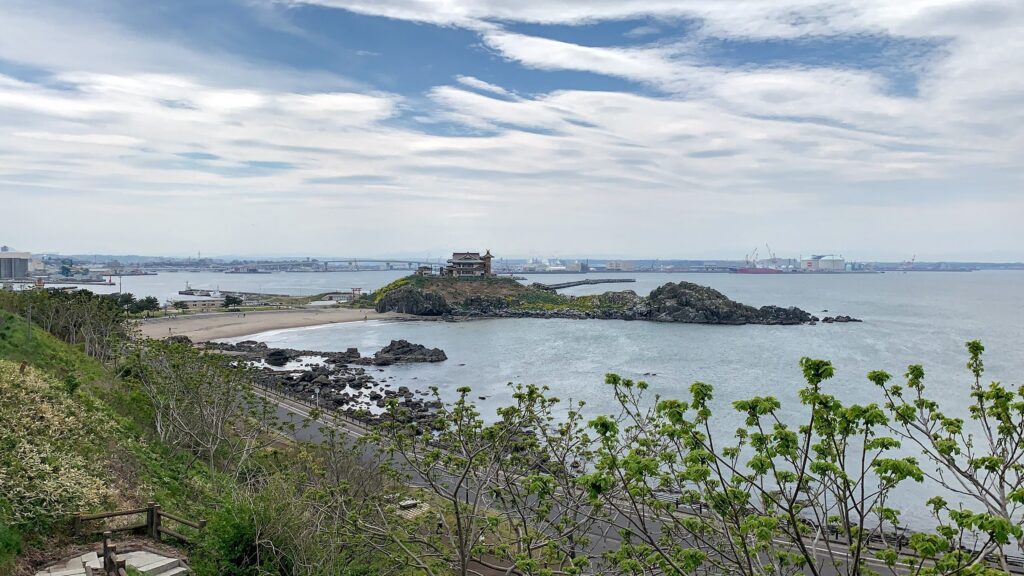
x=22 y=342
x=74 y=438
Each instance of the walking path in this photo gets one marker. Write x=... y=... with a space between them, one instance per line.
x=146 y=561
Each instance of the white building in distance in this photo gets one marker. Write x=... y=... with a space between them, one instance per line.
x=823 y=263
x=14 y=265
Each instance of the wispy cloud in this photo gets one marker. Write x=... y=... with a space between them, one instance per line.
x=251 y=155
x=479 y=84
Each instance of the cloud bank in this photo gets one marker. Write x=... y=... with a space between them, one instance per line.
x=112 y=139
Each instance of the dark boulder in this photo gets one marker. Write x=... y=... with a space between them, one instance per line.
x=693 y=303
x=277 y=357
x=400 y=351
x=779 y=315
x=411 y=300
x=349 y=355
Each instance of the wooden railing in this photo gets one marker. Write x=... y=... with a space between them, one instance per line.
x=153 y=526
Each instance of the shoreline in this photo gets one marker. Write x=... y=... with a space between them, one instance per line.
x=204 y=327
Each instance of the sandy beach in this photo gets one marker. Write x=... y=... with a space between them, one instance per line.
x=212 y=326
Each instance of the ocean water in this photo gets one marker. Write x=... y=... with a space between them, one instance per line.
x=914 y=318
x=165 y=285
x=909 y=318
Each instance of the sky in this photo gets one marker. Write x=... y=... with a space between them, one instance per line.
x=875 y=129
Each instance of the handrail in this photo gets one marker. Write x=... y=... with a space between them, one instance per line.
x=173 y=534
x=114 y=514
x=152 y=527
x=197 y=525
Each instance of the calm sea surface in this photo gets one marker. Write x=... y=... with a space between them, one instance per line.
x=908 y=318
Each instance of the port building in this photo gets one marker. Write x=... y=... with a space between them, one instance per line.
x=823 y=263
x=197 y=304
x=14 y=265
x=620 y=266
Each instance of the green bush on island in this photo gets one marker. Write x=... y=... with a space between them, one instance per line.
x=503 y=293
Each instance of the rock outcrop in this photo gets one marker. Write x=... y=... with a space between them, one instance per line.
x=673 y=302
x=840 y=319
x=682 y=301
x=696 y=304
x=330 y=378
x=403 y=351
x=412 y=300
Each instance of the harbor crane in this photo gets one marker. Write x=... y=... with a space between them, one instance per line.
x=773 y=258
x=752 y=258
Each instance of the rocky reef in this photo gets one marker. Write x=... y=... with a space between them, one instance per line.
x=696 y=304
x=684 y=302
x=341 y=380
x=403 y=351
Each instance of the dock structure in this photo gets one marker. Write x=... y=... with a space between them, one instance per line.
x=586 y=283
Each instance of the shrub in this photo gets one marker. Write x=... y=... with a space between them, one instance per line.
x=232 y=544
x=46 y=438
x=10 y=540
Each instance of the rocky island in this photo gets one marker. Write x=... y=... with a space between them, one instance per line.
x=505 y=298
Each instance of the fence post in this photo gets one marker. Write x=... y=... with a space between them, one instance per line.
x=156 y=522
x=76 y=524
x=108 y=550
x=202 y=524
x=151 y=520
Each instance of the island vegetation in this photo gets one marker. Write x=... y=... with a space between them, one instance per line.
x=491 y=297
x=94 y=418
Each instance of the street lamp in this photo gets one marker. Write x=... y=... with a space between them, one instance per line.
x=317 y=392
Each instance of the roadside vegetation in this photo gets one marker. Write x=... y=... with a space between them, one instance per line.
x=165 y=423
x=93 y=418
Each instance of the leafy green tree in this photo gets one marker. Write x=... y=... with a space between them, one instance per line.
x=122 y=300
x=778 y=499
x=461 y=462
x=232 y=300
x=97 y=323
x=537 y=489
x=979 y=462
x=147 y=304
x=205 y=404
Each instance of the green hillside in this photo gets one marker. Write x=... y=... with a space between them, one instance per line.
x=22 y=342
x=80 y=436
x=65 y=446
